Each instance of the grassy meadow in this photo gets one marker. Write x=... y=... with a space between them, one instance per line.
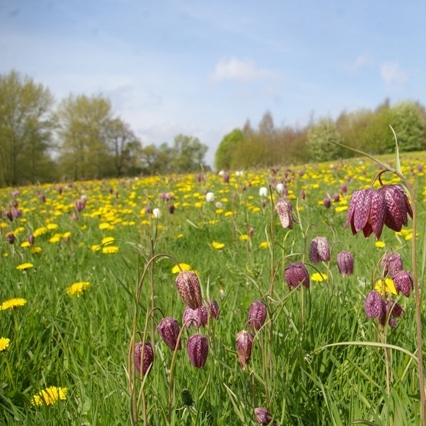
x=69 y=302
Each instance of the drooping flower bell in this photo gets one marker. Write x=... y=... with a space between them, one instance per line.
x=375 y=306
x=345 y=263
x=257 y=315
x=244 y=343
x=198 y=349
x=285 y=213
x=319 y=250
x=144 y=357
x=392 y=264
x=296 y=275
x=403 y=282
x=366 y=212
x=169 y=330
x=393 y=311
x=214 y=309
x=195 y=317
x=397 y=207
x=263 y=416
x=189 y=289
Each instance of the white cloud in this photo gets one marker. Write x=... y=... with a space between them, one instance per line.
x=361 y=60
x=393 y=75
x=242 y=71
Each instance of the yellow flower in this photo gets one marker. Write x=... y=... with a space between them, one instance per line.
x=24 y=266
x=25 y=244
x=52 y=226
x=40 y=231
x=244 y=237
x=49 y=396
x=105 y=225
x=55 y=239
x=386 y=286
x=107 y=240
x=181 y=267
x=264 y=244
x=318 y=277
x=340 y=209
x=12 y=303
x=110 y=249
x=4 y=343
x=179 y=236
x=95 y=247
x=217 y=245
x=77 y=289
x=35 y=250
x=379 y=244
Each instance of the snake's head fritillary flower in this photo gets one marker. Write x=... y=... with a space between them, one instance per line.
x=30 y=239
x=393 y=311
x=319 y=250
x=10 y=238
x=327 y=202
x=144 y=357
x=198 y=349
x=345 y=263
x=366 y=212
x=214 y=309
x=189 y=289
x=263 y=416
x=392 y=264
x=210 y=197
x=244 y=343
x=285 y=213
x=263 y=191
x=195 y=317
x=375 y=306
x=403 y=282
x=169 y=330
x=296 y=275
x=257 y=315
x=16 y=213
x=148 y=209
x=172 y=208
x=397 y=207
x=156 y=213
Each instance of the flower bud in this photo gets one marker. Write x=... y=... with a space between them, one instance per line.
x=10 y=237
x=285 y=213
x=375 y=306
x=327 y=202
x=214 y=309
x=403 y=282
x=171 y=208
x=198 y=349
x=345 y=263
x=263 y=417
x=296 y=274
x=319 y=250
x=30 y=239
x=169 y=330
x=244 y=343
x=144 y=357
x=188 y=286
x=195 y=317
x=257 y=315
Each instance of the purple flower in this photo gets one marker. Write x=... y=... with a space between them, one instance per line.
x=144 y=357
x=345 y=262
x=392 y=264
x=263 y=416
x=244 y=343
x=403 y=282
x=375 y=306
x=319 y=250
x=198 y=349
x=169 y=330
x=285 y=213
x=214 y=309
x=296 y=274
x=188 y=286
x=257 y=315
x=397 y=207
x=196 y=317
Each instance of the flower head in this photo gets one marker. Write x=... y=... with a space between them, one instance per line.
x=169 y=330
x=345 y=263
x=403 y=282
x=244 y=343
x=12 y=303
x=24 y=266
x=285 y=213
x=49 y=396
x=196 y=317
x=319 y=250
x=263 y=416
x=375 y=306
x=397 y=207
x=77 y=289
x=392 y=264
x=197 y=349
x=257 y=315
x=296 y=274
x=4 y=343
x=144 y=357
x=181 y=267
x=189 y=289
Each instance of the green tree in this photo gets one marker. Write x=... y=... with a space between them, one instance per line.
x=84 y=126
x=25 y=129
x=223 y=156
x=320 y=141
x=188 y=154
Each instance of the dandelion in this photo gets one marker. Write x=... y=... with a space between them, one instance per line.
x=77 y=289
x=24 y=266
x=95 y=247
x=181 y=267
x=110 y=249
x=217 y=245
x=12 y=303
x=49 y=396
x=264 y=244
x=107 y=241
x=318 y=277
x=4 y=343
x=380 y=244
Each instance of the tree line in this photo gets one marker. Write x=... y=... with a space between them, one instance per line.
x=80 y=137
x=365 y=130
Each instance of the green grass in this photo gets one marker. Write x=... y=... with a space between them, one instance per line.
x=81 y=343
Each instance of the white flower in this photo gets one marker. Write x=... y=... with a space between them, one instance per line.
x=156 y=213
x=218 y=205
x=209 y=197
x=239 y=173
x=280 y=188
x=263 y=191
x=221 y=172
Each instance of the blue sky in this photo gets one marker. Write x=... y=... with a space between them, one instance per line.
x=203 y=68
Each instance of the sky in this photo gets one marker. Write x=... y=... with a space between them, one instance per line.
x=203 y=68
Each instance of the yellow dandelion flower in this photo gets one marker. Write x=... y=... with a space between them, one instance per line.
x=4 y=343
x=77 y=289
x=181 y=267
x=217 y=245
x=340 y=209
x=66 y=235
x=19 y=230
x=40 y=231
x=179 y=236
x=244 y=237
x=95 y=247
x=380 y=244
x=255 y=209
x=264 y=244
x=55 y=239
x=3 y=225
x=49 y=396
x=385 y=286
x=25 y=244
x=35 y=250
x=52 y=226
x=110 y=249
x=24 y=266
x=318 y=277
x=105 y=225
x=227 y=214
x=219 y=211
x=12 y=303
x=107 y=241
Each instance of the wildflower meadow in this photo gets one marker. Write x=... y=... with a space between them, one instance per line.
x=287 y=296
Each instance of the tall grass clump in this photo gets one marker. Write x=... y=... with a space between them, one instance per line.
x=216 y=299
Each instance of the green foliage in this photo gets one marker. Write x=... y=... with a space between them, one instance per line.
x=225 y=150
x=321 y=139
